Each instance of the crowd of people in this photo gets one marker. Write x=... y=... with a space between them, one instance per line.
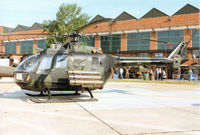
x=118 y=73
x=190 y=74
x=158 y=74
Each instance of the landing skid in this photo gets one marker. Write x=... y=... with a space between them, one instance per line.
x=72 y=98
x=62 y=100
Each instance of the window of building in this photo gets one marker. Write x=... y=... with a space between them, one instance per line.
x=134 y=44
x=197 y=54
x=26 y=47
x=89 y=41
x=41 y=44
x=184 y=54
x=45 y=65
x=158 y=55
x=111 y=43
x=143 y=54
x=196 y=39
x=173 y=36
x=10 y=47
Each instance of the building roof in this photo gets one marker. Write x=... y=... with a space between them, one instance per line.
x=97 y=18
x=154 y=13
x=7 y=29
x=20 y=28
x=124 y=16
x=36 y=26
x=187 y=9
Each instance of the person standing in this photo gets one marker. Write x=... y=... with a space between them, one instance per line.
x=161 y=71
x=178 y=74
x=121 y=71
x=151 y=74
x=164 y=74
x=190 y=73
x=127 y=72
x=157 y=74
x=112 y=73
x=115 y=74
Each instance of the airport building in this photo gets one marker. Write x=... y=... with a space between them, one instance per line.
x=18 y=46
x=116 y=36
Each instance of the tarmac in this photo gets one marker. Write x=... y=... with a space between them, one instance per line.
x=122 y=109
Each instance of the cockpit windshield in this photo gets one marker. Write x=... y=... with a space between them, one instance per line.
x=28 y=64
x=45 y=65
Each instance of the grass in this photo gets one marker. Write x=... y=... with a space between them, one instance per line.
x=156 y=81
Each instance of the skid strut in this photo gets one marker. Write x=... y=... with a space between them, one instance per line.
x=89 y=91
x=49 y=94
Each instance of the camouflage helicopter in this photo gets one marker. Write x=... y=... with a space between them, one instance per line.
x=75 y=67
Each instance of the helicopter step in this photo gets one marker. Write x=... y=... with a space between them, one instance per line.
x=86 y=79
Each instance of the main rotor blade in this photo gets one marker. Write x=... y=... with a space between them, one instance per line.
x=68 y=40
x=24 y=34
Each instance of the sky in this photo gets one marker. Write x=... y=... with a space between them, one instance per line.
x=27 y=12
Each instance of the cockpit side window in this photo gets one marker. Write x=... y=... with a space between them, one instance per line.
x=61 y=61
x=45 y=65
x=29 y=64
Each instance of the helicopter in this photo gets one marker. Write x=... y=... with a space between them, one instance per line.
x=75 y=67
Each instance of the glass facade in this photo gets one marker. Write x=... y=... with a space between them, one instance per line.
x=197 y=53
x=41 y=44
x=26 y=47
x=196 y=39
x=10 y=47
x=185 y=54
x=143 y=54
x=173 y=36
x=135 y=44
x=158 y=55
x=111 y=43
x=89 y=41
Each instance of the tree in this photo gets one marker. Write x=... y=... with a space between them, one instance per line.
x=68 y=19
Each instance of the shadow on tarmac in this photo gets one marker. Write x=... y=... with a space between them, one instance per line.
x=21 y=95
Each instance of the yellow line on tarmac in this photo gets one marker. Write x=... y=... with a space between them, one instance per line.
x=157 y=96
